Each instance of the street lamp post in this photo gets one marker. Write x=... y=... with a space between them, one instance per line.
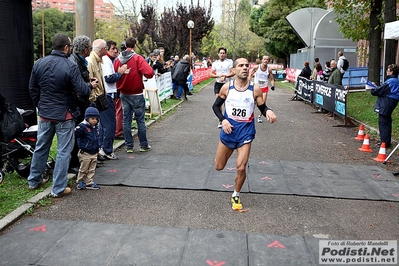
x=43 y=47
x=190 y=25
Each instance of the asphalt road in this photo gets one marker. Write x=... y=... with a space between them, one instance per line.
x=300 y=134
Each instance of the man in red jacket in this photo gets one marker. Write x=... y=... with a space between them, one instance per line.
x=131 y=87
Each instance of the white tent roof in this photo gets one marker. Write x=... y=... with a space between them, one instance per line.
x=391 y=30
x=303 y=21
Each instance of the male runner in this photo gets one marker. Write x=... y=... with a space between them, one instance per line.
x=238 y=125
x=263 y=74
x=222 y=71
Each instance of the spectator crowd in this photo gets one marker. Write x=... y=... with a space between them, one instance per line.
x=88 y=93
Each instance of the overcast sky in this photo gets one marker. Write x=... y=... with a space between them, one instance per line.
x=216 y=9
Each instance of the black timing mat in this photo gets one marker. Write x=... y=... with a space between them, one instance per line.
x=263 y=176
x=49 y=242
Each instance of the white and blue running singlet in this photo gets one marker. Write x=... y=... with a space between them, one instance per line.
x=239 y=111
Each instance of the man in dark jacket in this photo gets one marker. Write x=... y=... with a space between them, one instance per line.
x=82 y=47
x=53 y=84
x=180 y=74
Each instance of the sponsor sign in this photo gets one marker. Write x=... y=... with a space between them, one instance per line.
x=327 y=96
x=352 y=252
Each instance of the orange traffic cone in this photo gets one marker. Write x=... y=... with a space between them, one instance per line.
x=366 y=144
x=381 y=154
x=360 y=133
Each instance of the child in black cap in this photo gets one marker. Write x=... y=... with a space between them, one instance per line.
x=87 y=135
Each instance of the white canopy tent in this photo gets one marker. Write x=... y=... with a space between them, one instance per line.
x=391 y=31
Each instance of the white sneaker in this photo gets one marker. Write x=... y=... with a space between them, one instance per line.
x=101 y=152
x=111 y=156
x=260 y=120
x=220 y=125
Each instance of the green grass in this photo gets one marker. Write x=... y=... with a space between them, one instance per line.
x=14 y=192
x=285 y=85
x=199 y=86
x=360 y=105
x=14 y=189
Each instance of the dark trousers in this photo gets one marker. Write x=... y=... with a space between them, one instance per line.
x=385 y=127
x=107 y=127
x=185 y=88
x=74 y=162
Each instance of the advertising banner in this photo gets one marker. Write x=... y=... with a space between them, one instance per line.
x=304 y=89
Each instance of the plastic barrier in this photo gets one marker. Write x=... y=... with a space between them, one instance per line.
x=327 y=96
x=201 y=74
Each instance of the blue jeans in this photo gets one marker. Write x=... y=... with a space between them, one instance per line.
x=134 y=103
x=66 y=138
x=177 y=87
x=179 y=91
x=107 y=127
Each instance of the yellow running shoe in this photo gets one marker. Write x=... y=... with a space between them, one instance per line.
x=236 y=203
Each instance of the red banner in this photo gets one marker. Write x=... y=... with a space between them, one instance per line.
x=291 y=74
x=201 y=74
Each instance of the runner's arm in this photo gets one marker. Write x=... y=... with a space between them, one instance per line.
x=272 y=82
x=230 y=74
x=252 y=73
x=214 y=75
x=216 y=108
x=219 y=102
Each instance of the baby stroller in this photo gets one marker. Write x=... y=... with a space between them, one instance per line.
x=17 y=143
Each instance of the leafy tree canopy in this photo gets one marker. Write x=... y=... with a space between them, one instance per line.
x=116 y=30
x=233 y=33
x=364 y=20
x=55 y=22
x=270 y=23
x=152 y=30
x=170 y=29
x=353 y=18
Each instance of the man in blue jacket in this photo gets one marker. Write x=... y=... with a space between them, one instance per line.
x=53 y=84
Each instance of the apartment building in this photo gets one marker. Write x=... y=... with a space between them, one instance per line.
x=102 y=10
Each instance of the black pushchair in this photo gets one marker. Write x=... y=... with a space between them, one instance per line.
x=17 y=148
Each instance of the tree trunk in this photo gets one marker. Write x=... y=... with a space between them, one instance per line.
x=286 y=61
x=375 y=42
x=390 y=46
